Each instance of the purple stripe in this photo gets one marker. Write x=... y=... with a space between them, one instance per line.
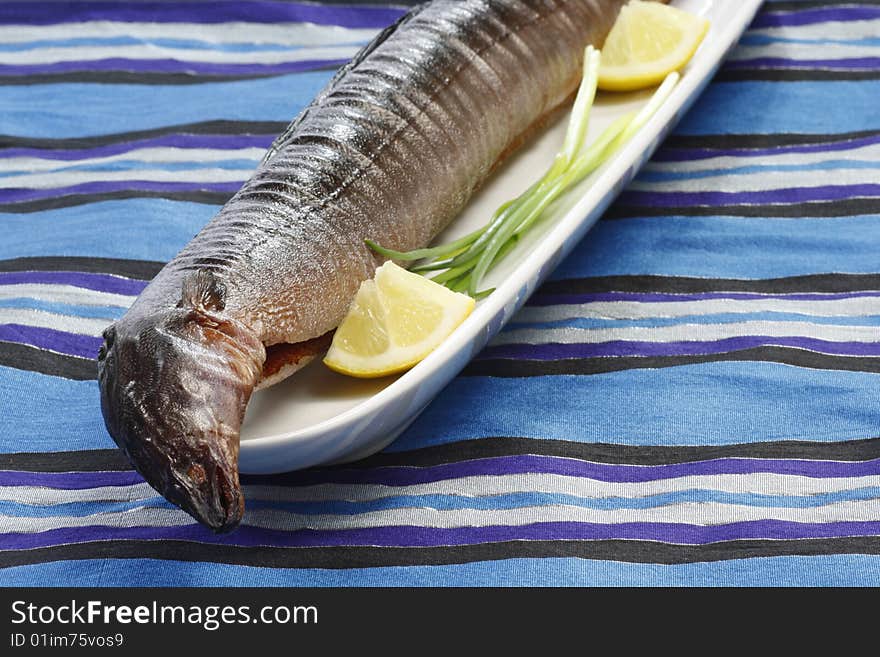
x=99 y=282
x=219 y=11
x=810 y=16
x=70 y=480
x=685 y=154
x=523 y=464
x=173 y=66
x=593 y=297
x=500 y=465
x=73 y=344
x=172 y=141
x=408 y=536
x=18 y=195
x=556 y=351
x=783 y=62
x=786 y=195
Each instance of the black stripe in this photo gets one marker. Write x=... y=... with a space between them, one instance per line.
x=56 y=202
x=810 y=283
x=141 y=77
x=757 y=140
x=25 y=357
x=89 y=460
x=618 y=211
x=478 y=448
x=793 y=75
x=797 y=5
x=215 y=127
x=514 y=368
x=845 y=208
x=630 y=551
x=102 y=460
x=128 y=77
x=140 y=269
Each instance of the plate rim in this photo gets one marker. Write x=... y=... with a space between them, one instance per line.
x=555 y=244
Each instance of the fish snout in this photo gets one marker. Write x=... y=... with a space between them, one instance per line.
x=205 y=485
x=174 y=388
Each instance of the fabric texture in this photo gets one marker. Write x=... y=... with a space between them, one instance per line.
x=691 y=399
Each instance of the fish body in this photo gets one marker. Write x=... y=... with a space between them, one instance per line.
x=390 y=150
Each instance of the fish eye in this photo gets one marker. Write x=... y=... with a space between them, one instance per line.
x=109 y=336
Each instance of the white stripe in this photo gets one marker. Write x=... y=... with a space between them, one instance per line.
x=822 y=32
x=291 y=34
x=853 y=307
x=147 y=155
x=148 y=52
x=65 y=294
x=476 y=486
x=58 y=322
x=66 y=178
x=805 y=51
x=691 y=513
x=44 y=496
x=696 y=513
x=869 y=153
x=691 y=332
x=762 y=181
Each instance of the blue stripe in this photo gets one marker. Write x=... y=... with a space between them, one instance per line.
x=79 y=509
x=721 y=318
x=655 y=175
x=835 y=570
x=97 y=312
x=452 y=502
x=61 y=105
x=705 y=404
x=767 y=40
x=105 y=230
x=742 y=107
x=678 y=406
x=37 y=430
x=726 y=247
x=724 y=107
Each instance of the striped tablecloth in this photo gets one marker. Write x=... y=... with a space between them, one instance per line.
x=692 y=398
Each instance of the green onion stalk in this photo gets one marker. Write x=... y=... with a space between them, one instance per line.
x=464 y=263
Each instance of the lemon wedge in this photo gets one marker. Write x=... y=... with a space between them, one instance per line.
x=396 y=319
x=648 y=41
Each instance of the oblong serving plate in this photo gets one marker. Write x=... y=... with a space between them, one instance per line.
x=318 y=416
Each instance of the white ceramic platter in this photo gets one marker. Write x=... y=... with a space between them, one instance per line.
x=318 y=416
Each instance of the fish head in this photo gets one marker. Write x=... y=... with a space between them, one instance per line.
x=174 y=387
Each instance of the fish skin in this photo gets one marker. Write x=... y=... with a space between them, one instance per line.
x=390 y=150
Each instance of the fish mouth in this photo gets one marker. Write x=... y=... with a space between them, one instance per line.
x=195 y=473
x=174 y=390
